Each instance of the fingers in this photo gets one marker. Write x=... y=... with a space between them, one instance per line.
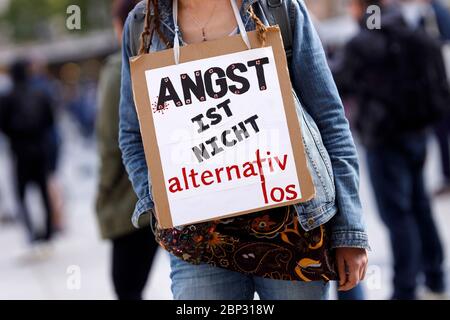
x=352 y=267
x=341 y=271
x=352 y=277
x=363 y=268
x=363 y=272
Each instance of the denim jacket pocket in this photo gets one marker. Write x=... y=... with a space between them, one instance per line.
x=322 y=207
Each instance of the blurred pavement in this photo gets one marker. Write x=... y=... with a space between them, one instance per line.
x=79 y=247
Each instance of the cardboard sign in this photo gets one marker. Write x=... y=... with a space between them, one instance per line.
x=220 y=130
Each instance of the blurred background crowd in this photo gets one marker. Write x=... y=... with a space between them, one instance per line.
x=60 y=164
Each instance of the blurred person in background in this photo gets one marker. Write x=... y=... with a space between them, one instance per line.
x=433 y=17
x=42 y=81
x=398 y=78
x=27 y=117
x=439 y=17
x=133 y=250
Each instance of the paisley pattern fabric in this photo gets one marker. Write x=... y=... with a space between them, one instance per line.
x=269 y=244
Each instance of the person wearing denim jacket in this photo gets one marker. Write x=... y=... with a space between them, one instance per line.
x=329 y=146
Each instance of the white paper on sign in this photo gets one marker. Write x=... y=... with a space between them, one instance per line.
x=222 y=134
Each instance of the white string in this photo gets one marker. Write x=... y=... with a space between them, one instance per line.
x=241 y=26
x=176 y=40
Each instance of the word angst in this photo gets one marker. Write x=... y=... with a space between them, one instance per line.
x=213 y=83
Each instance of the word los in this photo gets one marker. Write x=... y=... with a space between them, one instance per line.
x=250 y=169
x=228 y=138
x=212 y=82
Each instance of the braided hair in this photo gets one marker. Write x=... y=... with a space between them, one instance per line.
x=261 y=29
x=149 y=29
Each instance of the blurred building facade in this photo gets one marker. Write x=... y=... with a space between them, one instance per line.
x=325 y=9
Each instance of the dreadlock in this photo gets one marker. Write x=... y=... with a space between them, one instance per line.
x=261 y=29
x=152 y=23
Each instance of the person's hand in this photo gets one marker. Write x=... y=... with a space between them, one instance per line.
x=352 y=266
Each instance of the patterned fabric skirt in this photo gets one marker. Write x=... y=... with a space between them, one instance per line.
x=269 y=244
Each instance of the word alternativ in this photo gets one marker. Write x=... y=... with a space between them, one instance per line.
x=203 y=85
x=228 y=138
x=194 y=179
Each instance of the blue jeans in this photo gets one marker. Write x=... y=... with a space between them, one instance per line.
x=205 y=282
x=357 y=293
x=396 y=172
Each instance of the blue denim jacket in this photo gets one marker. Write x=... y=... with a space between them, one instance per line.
x=330 y=150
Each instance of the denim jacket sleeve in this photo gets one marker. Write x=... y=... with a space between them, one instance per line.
x=130 y=140
x=314 y=84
